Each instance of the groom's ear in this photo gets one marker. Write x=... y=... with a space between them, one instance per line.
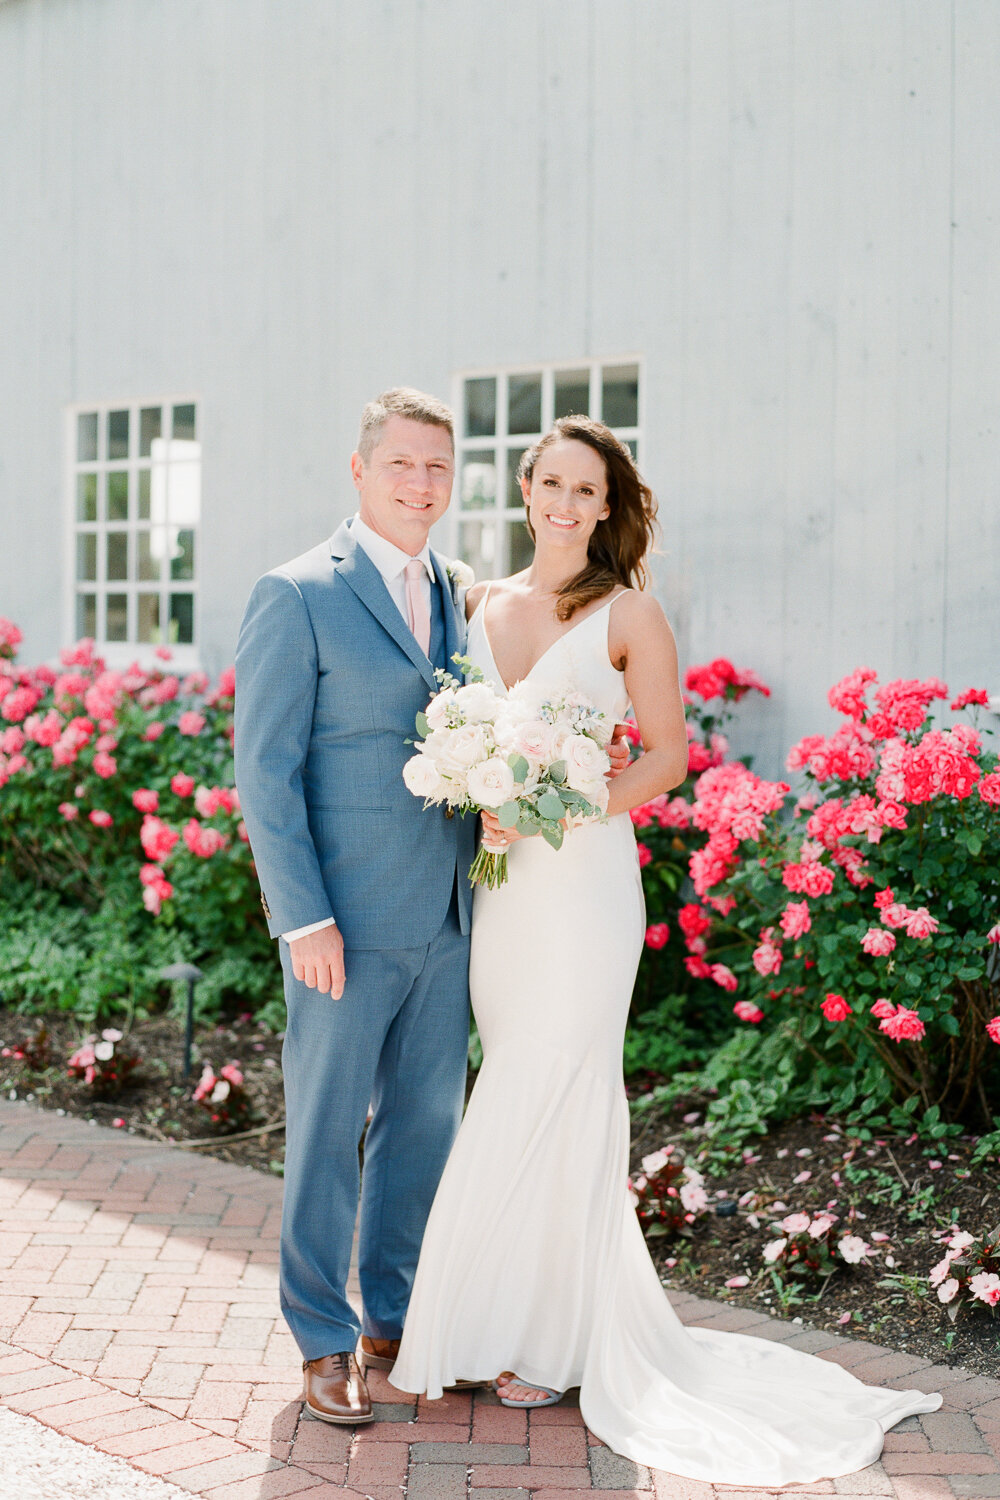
x=357 y=469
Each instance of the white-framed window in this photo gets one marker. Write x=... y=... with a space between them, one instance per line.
x=135 y=511
x=500 y=414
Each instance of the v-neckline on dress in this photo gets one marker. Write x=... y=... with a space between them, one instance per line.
x=551 y=647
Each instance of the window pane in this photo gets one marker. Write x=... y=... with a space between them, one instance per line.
x=572 y=393
x=118 y=434
x=479 y=480
x=86 y=437
x=182 y=558
x=478 y=547
x=481 y=407
x=524 y=403
x=522 y=548
x=86 y=615
x=117 y=558
x=143 y=500
x=86 y=557
x=151 y=547
x=514 y=496
x=620 y=395
x=117 y=626
x=181 y=619
x=118 y=496
x=184 y=423
x=633 y=448
x=148 y=619
x=150 y=427
x=86 y=497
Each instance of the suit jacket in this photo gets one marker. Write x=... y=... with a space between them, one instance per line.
x=329 y=680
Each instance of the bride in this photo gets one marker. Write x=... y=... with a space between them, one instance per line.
x=533 y=1262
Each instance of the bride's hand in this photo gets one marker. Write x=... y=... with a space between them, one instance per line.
x=494 y=837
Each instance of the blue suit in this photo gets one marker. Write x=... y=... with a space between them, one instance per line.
x=329 y=679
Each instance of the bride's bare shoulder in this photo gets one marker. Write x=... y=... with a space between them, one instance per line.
x=474 y=597
x=637 y=618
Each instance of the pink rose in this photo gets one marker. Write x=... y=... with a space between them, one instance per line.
x=745 y=1010
x=920 y=923
x=154 y=729
x=895 y=914
x=993 y=936
x=203 y=841
x=105 y=765
x=878 y=942
x=100 y=819
x=14 y=739
x=904 y=1026
x=697 y=967
x=796 y=919
x=694 y=921
x=182 y=784
x=993 y=1029
x=657 y=935
x=989 y=789
x=645 y=855
x=882 y=1009
x=145 y=800
x=69 y=811
x=191 y=723
x=724 y=977
x=835 y=1008
x=971 y=695
x=157 y=838
x=767 y=958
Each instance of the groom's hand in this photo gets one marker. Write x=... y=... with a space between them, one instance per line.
x=618 y=752
x=318 y=960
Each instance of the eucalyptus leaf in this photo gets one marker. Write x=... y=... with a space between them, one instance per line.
x=552 y=834
x=508 y=815
x=557 y=771
x=423 y=728
x=550 y=805
x=518 y=766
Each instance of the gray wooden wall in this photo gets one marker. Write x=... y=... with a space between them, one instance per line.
x=789 y=207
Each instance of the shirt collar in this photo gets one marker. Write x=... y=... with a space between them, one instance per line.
x=387 y=557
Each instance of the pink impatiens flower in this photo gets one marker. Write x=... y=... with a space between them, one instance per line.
x=946 y=1291
x=853 y=1249
x=986 y=1286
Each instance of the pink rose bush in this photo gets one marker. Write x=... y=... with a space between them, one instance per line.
x=117 y=801
x=858 y=918
x=967 y=1278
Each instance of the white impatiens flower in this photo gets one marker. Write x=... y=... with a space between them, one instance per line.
x=940 y=1272
x=422 y=777
x=693 y=1196
x=491 y=782
x=853 y=1249
x=961 y=1241
x=947 y=1289
x=820 y=1224
x=774 y=1249
x=657 y=1160
x=104 y=1051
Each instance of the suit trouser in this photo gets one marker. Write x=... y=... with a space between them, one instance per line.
x=397 y=1038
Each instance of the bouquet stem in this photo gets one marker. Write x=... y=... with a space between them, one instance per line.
x=489 y=868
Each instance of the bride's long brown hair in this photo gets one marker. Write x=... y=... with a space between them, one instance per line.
x=617 y=550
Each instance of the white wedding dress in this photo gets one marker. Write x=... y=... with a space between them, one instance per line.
x=533 y=1259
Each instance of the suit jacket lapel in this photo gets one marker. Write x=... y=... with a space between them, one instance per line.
x=360 y=574
x=454 y=635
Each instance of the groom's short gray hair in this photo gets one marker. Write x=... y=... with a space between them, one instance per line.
x=402 y=401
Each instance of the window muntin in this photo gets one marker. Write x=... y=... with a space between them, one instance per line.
x=500 y=415
x=136 y=508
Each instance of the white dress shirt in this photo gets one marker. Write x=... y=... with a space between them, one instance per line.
x=391 y=562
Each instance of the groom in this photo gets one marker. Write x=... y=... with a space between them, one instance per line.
x=367 y=891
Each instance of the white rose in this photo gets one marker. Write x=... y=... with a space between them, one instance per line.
x=491 y=783
x=462 y=575
x=466 y=745
x=476 y=702
x=422 y=777
x=439 y=707
x=535 y=741
x=586 y=762
x=526 y=701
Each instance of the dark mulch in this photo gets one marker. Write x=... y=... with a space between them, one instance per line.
x=889 y=1184
x=156 y=1100
x=901 y=1187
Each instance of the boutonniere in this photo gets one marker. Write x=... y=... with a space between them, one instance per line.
x=460 y=576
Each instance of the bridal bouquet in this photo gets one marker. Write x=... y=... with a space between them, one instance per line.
x=535 y=757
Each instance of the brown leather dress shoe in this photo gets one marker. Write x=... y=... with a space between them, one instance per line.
x=378 y=1354
x=336 y=1390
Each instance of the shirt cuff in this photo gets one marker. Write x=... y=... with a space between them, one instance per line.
x=298 y=932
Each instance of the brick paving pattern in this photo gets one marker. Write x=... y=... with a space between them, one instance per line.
x=139 y=1314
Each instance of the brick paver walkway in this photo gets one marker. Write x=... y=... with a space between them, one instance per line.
x=139 y=1313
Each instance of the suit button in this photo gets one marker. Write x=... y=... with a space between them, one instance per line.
x=449 y=812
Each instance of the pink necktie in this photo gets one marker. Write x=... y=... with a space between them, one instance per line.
x=418 y=615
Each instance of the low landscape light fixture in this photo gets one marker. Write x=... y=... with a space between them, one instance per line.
x=192 y=974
